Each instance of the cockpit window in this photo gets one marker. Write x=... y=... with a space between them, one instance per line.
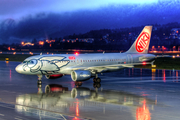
x=25 y=61
x=31 y=63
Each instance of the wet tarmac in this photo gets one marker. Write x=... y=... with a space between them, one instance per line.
x=129 y=94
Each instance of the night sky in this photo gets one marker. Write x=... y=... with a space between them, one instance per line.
x=24 y=20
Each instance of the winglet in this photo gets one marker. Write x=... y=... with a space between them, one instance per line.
x=141 y=44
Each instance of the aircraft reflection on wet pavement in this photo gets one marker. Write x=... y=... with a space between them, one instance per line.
x=101 y=104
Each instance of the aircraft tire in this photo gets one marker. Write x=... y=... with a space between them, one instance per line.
x=39 y=82
x=96 y=80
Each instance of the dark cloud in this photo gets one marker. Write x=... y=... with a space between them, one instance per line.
x=18 y=8
x=46 y=25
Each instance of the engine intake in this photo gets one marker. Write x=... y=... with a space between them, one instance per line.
x=80 y=75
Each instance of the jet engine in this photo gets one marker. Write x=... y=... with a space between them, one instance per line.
x=83 y=93
x=80 y=75
x=54 y=76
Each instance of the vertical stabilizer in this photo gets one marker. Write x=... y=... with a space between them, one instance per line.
x=141 y=44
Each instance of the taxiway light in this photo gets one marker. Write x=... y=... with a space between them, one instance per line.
x=153 y=66
x=7 y=59
x=30 y=53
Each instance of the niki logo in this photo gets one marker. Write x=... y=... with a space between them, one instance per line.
x=46 y=65
x=142 y=42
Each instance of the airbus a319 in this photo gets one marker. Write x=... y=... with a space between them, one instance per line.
x=82 y=67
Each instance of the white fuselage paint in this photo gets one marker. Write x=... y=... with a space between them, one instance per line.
x=50 y=64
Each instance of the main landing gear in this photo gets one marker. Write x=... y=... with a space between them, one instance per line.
x=97 y=82
x=96 y=79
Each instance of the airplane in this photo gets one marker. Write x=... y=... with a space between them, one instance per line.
x=82 y=67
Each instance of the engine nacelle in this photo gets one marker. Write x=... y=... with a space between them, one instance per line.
x=83 y=93
x=80 y=75
x=54 y=76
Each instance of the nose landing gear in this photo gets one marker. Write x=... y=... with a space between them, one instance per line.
x=39 y=79
x=39 y=85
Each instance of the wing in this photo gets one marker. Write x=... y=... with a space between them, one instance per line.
x=105 y=68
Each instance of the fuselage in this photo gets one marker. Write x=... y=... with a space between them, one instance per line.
x=65 y=63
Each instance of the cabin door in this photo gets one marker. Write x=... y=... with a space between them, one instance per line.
x=130 y=59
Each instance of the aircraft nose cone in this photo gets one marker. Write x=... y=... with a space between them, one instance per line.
x=18 y=69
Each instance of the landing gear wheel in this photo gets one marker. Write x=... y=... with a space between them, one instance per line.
x=39 y=79
x=39 y=82
x=96 y=80
x=96 y=85
x=78 y=83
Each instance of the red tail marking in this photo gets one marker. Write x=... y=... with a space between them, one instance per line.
x=142 y=42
